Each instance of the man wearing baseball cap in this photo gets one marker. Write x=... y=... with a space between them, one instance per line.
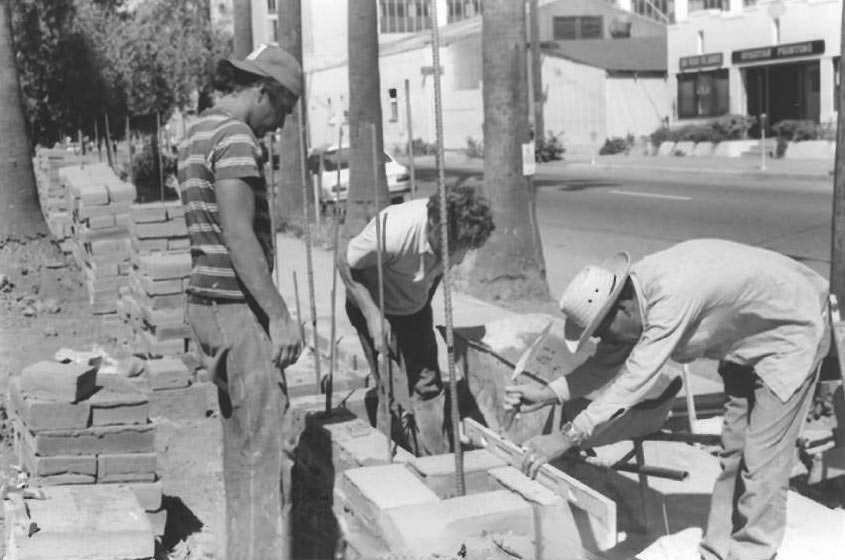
x=761 y=314
x=240 y=321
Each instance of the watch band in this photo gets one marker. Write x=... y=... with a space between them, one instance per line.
x=572 y=433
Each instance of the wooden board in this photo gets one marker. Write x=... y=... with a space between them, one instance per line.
x=599 y=509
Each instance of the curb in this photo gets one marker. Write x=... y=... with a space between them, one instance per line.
x=814 y=176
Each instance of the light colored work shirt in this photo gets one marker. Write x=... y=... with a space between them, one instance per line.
x=720 y=300
x=408 y=261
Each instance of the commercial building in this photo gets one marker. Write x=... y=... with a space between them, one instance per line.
x=773 y=57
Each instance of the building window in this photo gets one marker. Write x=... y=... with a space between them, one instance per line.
x=776 y=31
x=566 y=28
x=698 y=5
x=394 y=104
x=700 y=45
x=703 y=94
x=620 y=29
x=271 y=6
x=660 y=10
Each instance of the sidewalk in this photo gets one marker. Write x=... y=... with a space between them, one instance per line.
x=800 y=169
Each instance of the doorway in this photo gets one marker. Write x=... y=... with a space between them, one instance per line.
x=783 y=91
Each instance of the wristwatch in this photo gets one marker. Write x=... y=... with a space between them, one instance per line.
x=573 y=434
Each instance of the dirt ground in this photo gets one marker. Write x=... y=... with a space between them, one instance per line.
x=43 y=308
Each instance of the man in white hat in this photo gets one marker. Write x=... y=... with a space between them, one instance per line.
x=240 y=322
x=761 y=314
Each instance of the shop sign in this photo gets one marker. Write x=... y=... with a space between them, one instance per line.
x=791 y=50
x=700 y=61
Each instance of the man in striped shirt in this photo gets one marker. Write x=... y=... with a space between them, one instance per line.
x=239 y=319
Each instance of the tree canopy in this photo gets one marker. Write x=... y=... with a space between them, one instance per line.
x=80 y=58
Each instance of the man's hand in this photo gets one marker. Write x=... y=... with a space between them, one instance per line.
x=286 y=340
x=528 y=397
x=539 y=450
x=381 y=334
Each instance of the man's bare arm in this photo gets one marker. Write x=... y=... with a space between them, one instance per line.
x=236 y=205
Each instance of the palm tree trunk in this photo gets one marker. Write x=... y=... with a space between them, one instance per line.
x=20 y=215
x=364 y=112
x=510 y=265
x=290 y=175
x=242 y=20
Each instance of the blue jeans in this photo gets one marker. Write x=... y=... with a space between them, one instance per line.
x=253 y=401
x=748 y=507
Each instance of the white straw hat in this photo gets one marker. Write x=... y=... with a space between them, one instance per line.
x=589 y=296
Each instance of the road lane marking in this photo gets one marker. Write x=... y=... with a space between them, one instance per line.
x=652 y=195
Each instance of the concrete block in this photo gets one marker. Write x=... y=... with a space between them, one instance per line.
x=101 y=222
x=148 y=212
x=168 y=373
x=146 y=341
x=556 y=533
x=178 y=244
x=366 y=492
x=163 y=266
x=94 y=522
x=56 y=465
x=118 y=401
x=120 y=191
x=148 y=494
x=666 y=148
x=169 y=331
x=126 y=467
x=159 y=287
x=186 y=403
x=39 y=414
x=438 y=471
x=57 y=381
x=149 y=245
x=138 y=438
x=174 y=228
x=175 y=210
x=428 y=529
x=158 y=521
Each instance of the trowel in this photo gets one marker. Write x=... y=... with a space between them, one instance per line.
x=521 y=363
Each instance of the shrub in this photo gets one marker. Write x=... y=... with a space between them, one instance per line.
x=475 y=148
x=616 y=145
x=145 y=176
x=727 y=127
x=423 y=148
x=733 y=127
x=549 y=149
x=792 y=130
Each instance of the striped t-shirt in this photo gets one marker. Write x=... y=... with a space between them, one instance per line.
x=217 y=147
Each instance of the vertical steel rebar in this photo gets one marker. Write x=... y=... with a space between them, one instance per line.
x=306 y=228
x=444 y=253
x=410 y=138
x=333 y=343
x=158 y=155
x=382 y=362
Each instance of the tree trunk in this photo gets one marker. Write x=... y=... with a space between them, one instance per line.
x=837 y=245
x=537 y=72
x=364 y=112
x=510 y=265
x=20 y=214
x=242 y=21
x=290 y=175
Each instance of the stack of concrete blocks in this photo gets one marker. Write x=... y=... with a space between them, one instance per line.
x=100 y=206
x=53 y=193
x=75 y=427
x=154 y=300
x=174 y=390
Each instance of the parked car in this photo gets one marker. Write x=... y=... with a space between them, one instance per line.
x=331 y=191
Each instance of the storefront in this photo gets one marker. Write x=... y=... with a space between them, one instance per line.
x=782 y=81
x=703 y=86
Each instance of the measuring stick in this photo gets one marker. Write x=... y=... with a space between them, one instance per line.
x=337 y=226
x=382 y=362
x=444 y=255
x=306 y=227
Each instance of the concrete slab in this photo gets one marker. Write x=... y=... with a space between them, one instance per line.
x=94 y=522
x=442 y=527
x=57 y=381
x=367 y=492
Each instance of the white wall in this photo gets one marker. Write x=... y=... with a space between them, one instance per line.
x=576 y=103
x=637 y=105
x=725 y=32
